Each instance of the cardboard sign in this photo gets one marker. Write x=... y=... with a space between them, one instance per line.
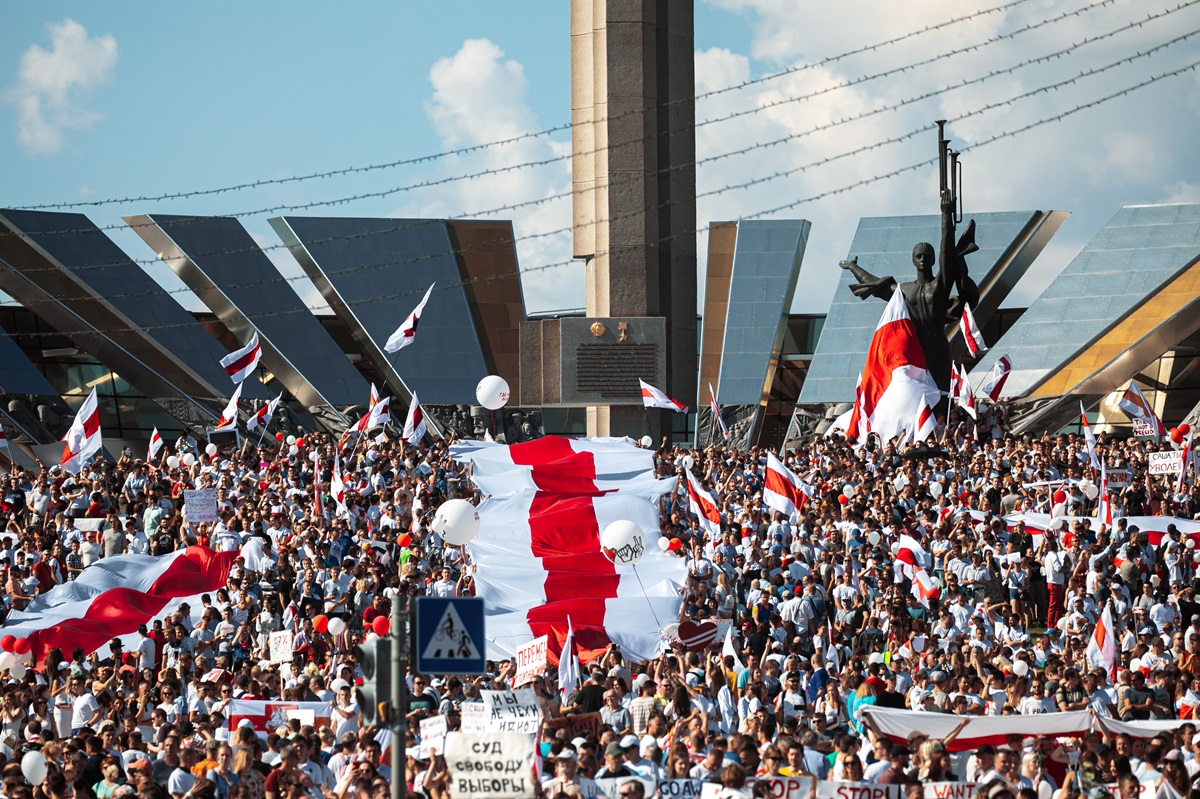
x=580 y=724
x=861 y=790
x=680 y=789
x=531 y=660
x=201 y=505
x=1118 y=478
x=951 y=790
x=1144 y=429
x=490 y=765
x=280 y=645
x=503 y=711
x=1164 y=463
x=787 y=787
x=433 y=736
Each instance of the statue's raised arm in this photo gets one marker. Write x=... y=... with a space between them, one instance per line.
x=868 y=285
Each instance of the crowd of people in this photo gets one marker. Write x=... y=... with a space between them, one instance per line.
x=825 y=625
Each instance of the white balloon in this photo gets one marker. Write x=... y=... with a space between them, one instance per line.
x=290 y=440
x=664 y=543
x=371 y=637
x=895 y=548
x=189 y=460
x=848 y=491
x=1020 y=668
x=647 y=442
x=1155 y=580
x=172 y=462
x=17 y=670
x=336 y=626
x=456 y=521
x=316 y=456
x=1091 y=491
x=6 y=660
x=211 y=449
x=873 y=538
x=936 y=489
x=492 y=392
x=33 y=766
x=293 y=450
x=623 y=542
x=1190 y=543
x=688 y=461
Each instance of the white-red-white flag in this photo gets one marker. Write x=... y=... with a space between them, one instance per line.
x=716 y=411
x=971 y=332
x=83 y=438
x=782 y=489
x=156 y=442
x=374 y=398
x=910 y=555
x=229 y=416
x=414 y=423
x=1185 y=456
x=407 y=331
x=657 y=398
x=998 y=377
x=568 y=663
x=1105 y=510
x=241 y=364
x=264 y=414
x=894 y=379
x=1089 y=437
x=701 y=503
x=381 y=412
x=337 y=486
x=966 y=394
x=1102 y=649
x=924 y=422
x=1135 y=405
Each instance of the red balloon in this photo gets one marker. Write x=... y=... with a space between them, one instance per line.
x=1060 y=497
x=381 y=625
x=299 y=442
x=843 y=499
x=404 y=540
x=20 y=646
x=1184 y=429
x=321 y=624
x=279 y=436
x=675 y=545
x=6 y=643
x=1176 y=435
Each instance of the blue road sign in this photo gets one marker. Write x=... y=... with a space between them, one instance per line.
x=450 y=636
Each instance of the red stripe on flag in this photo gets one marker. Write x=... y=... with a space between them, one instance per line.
x=244 y=361
x=91 y=425
x=566 y=525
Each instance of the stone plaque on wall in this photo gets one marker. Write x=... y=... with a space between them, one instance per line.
x=603 y=358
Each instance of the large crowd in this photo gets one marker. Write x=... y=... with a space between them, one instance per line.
x=823 y=628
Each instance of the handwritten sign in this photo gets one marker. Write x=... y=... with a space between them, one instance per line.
x=503 y=711
x=866 y=790
x=1143 y=429
x=1165 y=463
x=433 y=736
x=951 y=790
x=280 y=645
x=531 y=660
x=611 y=786
x=201 y=505
x=680 y=789
x=490 y=765
x=785 y=787
x=580 y=724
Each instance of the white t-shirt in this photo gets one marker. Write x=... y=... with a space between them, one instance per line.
x=82 y=710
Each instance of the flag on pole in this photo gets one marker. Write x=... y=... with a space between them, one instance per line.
x=730 y=650
x=656 y=398
x=264 y=414
x=966 y=394
x=971 y=332
x=381 y=412
x=1101 y=649
x=337 y=486
x=1186 y=457
x=83 y=438
x=414 y=423
x=156 y=443
x=924 y=422
x=998 y=377
x=782 y=489
x=568 y=663
x=407 y=331
x=1135 y=405
x=701 y=503
x=374 y=398
x=1105 y=511
x=4 y=438
x=1088 y=437
x=229 y=416
x=241 y=364
x=894 y=377
x=712 y=398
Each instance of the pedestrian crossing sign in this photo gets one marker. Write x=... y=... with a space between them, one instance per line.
x=450 y=634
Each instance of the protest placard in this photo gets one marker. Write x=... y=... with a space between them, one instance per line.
x=433 y=736
x=531 y=660
x=611 y=786
x=859 y=790
x=787 y=787
x=950 y=790
x=503 y=711
x=680 y=789
x=280 y=645
x=1165 y=462
x=201 y=505
x=581 y=724
x=1144 y=429
x=490 y=765
x=714 y=790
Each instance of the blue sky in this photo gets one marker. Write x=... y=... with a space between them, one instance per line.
x=108 y=101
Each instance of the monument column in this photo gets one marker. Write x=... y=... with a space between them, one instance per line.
x=634 y=180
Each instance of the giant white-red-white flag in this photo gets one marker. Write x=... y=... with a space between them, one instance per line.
x=999 y=376
x=657 y=398
x=264 y=716
x=971 y=332
x=702 y=503
x=1102 y=648
x=110 y=602
x=1135 y=405
x=1089 y=437
x=414 y=423
x=897 y=726
x=716 y=411
x=782 y=489
x=264 y=414
x=407 y=332
x=229 y=416
x=539 y=541
x=156 y=442
x=83 y=437
x=240 y=364
x=894 y=379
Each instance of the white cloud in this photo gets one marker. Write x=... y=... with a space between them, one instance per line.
x=479 y=97
x=50 y=84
